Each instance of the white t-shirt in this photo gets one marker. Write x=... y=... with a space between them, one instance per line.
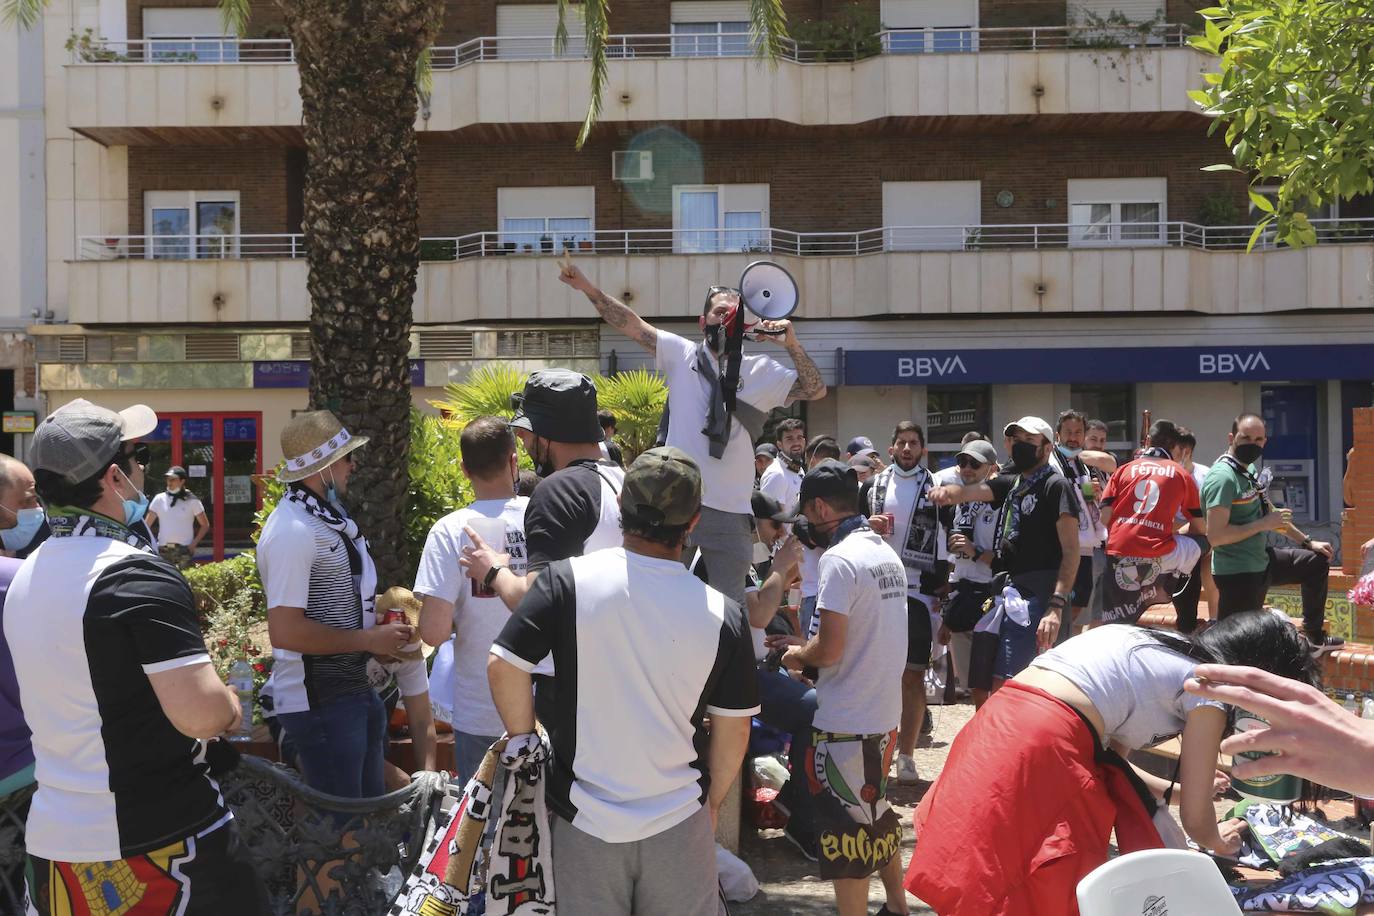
x=782 y=483
x=900 y=496
x=727 y=483
x=863 y=578
x=176 y=524
x=1200 y=473
x=981 y=518
x=476 y=621
x=811 y=570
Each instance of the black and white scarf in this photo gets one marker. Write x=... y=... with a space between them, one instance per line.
x=920 y=549
x=359 y=560
x=178 y=496
x=1009 y=522
x=69 y=522
x=1261 y=483
x=719 y=418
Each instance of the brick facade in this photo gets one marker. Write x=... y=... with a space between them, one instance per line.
x=263 y=176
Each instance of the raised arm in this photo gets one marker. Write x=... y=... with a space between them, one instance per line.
x=616 y=313
x=808 y=386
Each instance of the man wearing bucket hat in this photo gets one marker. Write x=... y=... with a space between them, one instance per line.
x=634 y=781
x=574 y=510
x=319 y=581
x=118 y=688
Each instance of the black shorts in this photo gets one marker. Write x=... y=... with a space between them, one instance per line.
x=919 y=638
x=982 y=660
x=1083 y=582
x=965 y=605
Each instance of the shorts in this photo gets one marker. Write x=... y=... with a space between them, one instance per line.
x=982 y=660
x=179 y=555
x=206 y=875
x=919 y=633
x=1082 y=583
x=857 y=830
x=1132 y=584
x=965 y=605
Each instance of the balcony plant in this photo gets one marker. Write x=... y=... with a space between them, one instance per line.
x=850 y=34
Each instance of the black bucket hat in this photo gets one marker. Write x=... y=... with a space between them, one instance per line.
x=559 y=405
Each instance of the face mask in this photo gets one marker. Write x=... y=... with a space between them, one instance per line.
x=543 y=466
x=1024 y=455
x=1071 y=452
x=761 y=552
x=1248 y=453
x=715 y=340
x=331 y=492
x=903 y=472
x=27 y=523
x=134 y=509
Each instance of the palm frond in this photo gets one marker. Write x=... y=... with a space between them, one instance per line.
x=486 y=392
x=768 y=29
x=24 y=12
x=233 y=16
x=637 y=399
x=560 y=32
x=598 y=33
x=424 y=75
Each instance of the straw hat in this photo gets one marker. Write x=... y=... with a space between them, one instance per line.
x=398 y=598
x=312 y=442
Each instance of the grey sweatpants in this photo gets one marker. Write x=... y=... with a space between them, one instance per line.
x=726 y=542
x=673 y=872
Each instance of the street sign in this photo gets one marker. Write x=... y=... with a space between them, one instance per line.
x=19 y=421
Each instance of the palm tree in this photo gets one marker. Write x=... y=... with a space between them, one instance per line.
x=360 y=63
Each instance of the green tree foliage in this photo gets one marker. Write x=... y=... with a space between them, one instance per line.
x=1293 y=98
x=637 y=399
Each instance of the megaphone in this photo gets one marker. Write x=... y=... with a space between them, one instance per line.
x=768 y=290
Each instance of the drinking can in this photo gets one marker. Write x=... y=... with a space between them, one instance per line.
x=1281 y=788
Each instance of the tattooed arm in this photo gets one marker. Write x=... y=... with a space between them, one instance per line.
x=808 y=386
x=616 y=313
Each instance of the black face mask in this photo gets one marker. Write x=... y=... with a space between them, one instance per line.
x=715 y=339
x=543 y=466
x=1024 y=455
x=1248 y=453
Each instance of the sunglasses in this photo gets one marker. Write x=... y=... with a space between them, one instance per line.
x=141 y=453
x=967 y=462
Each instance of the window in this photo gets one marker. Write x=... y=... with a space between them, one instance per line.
x=525 y=31
x=930 y=215
x=1113 y=405
x=194 y=34
x=929 y=26
x=191 y=224
x=952 y=411
x=711 y=39
x=728 y=217
x=546 y=219
x=1117 y=211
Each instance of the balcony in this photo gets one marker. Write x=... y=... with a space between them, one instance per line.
x=154 y=90
x=921 y=270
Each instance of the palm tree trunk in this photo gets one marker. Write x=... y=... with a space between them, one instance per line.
x=357 y=62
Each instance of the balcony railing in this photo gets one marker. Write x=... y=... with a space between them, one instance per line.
x=998 y=237
x=190 y=49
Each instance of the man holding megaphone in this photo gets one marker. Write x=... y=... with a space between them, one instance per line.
x=719 y=398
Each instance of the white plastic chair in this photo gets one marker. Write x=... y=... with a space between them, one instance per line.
x=1156 y=882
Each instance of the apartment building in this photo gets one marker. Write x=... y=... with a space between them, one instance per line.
x=997 y=209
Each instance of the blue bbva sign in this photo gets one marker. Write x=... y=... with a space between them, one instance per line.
x=1109 y=364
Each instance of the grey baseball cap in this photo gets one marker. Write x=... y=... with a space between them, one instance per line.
x=981 y=451
x=79 y=439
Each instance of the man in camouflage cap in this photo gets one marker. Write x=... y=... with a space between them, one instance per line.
x=642 y=650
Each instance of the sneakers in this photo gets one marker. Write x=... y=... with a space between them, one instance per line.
x=804 y=840
x=886 y=912
x=906 y=771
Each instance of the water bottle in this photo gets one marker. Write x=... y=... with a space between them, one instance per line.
x=241 y=682
x=1350 y=705
x=1368 y=711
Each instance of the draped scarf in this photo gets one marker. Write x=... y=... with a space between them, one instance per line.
x=359 y=560
x=69 y=522
x=1009 y=523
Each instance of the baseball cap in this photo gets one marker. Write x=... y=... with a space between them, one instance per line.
x=176 y=470
x=1033 y=425
x=981 y=451
x=79 y=439
x=767 y=450
x=829 y=478
x=560 y=405
x=866 y=459
x=766 y=506
x=662 y=487
x=860 y=444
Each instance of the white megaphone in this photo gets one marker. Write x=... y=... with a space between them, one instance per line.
x=768 y=290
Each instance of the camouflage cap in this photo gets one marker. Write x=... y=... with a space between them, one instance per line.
x=662 y=487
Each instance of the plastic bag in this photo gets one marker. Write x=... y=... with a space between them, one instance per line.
x=737 y=881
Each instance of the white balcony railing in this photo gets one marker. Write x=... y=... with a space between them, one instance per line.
x=191 y=50
x=763 y=241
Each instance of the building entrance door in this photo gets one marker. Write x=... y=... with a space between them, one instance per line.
x=220 y=452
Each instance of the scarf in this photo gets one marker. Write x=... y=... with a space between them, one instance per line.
x=719 y=417
x=1261 y=486
x=178 y=496
x=920 y=549
x=1089 y=512
x=68 y=522
x=1009 y=524
x=359 y=560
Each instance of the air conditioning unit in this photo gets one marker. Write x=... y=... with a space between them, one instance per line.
x=632 y=165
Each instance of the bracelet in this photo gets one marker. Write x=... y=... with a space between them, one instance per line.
x=491 y=575
x=1058 y=601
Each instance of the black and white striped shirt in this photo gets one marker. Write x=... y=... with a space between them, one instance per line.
x=304 y=563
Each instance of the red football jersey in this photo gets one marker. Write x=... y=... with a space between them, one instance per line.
x=1146 y=495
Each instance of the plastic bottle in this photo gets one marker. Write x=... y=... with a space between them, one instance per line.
x=1350 y=705
x=1367 y=712
x=241 y=682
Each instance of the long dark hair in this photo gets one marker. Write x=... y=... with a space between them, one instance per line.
x=1261 y=639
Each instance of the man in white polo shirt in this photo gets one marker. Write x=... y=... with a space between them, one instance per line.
x=180 y=519
x=644 y=651
x=782 y=479
x=720 y=442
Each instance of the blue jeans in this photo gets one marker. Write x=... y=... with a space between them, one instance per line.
x=804 y=615
x=1018 y=648
x=468 y=751
x=789 y=706
x=339 y=746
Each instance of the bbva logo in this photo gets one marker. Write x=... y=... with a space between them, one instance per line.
x=1230 y=363
x=927 y=366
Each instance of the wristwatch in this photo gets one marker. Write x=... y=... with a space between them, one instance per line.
x=1058 y=601
x=490 y=577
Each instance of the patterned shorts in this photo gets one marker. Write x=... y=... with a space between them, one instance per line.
x=858 y=831
x=179 y=555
